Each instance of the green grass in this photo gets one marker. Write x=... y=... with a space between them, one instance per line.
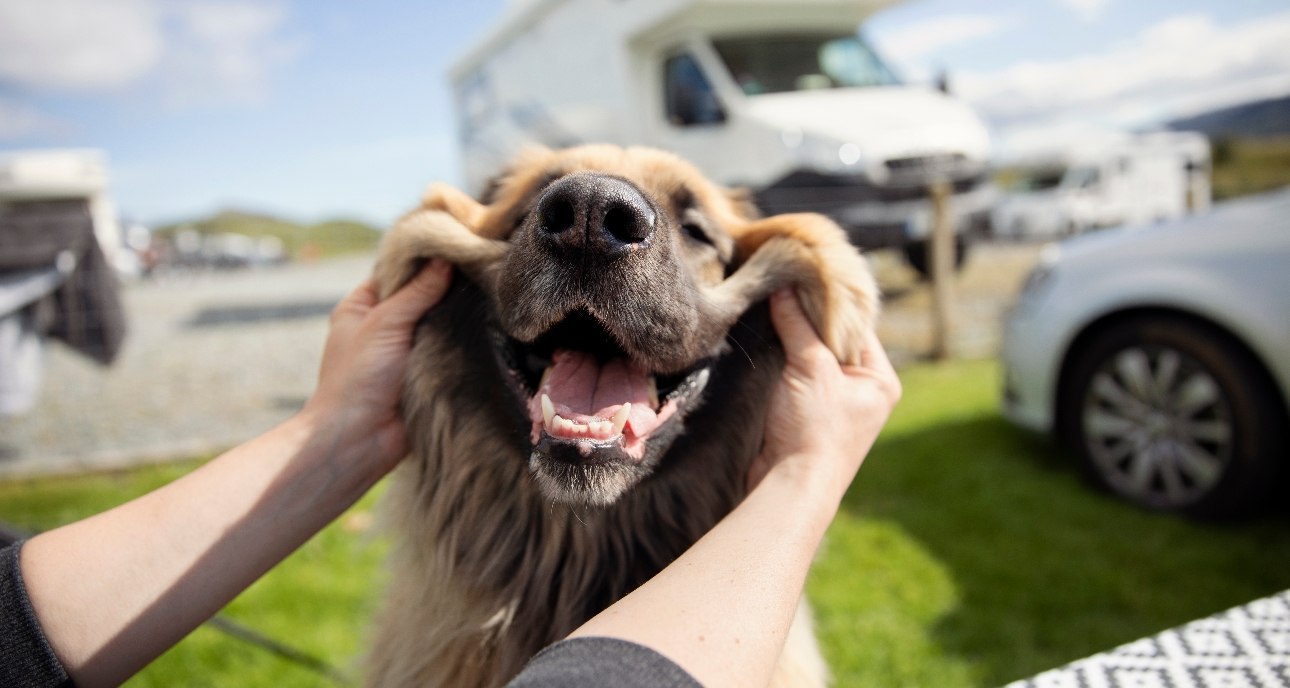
x=1245 y=166
x=317 y=601
x=967 y=554
x=970 y=554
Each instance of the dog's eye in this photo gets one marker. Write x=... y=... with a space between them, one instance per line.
x=697 y=226
x=694 y=231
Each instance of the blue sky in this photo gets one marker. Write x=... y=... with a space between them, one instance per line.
x=336 y=108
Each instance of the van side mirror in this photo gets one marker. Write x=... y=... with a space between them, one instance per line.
x=943 y=80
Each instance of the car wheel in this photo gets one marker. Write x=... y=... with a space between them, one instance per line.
x=1172 y=414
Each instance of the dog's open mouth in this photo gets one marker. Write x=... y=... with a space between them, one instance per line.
x=589 y=402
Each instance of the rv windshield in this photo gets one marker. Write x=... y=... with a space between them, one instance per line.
x=1036 y=179
x=775 y=64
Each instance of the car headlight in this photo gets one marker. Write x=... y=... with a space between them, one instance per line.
x=824 y=153
x=1039 y=282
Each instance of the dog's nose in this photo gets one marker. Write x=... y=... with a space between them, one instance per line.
x=596 y=214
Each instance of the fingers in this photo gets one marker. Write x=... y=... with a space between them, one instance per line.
x=421 y=293
x=794 y=329
x=875 y=357
x=364 y=295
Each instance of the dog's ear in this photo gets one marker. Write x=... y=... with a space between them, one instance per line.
x=445 y=226
x=811 y=253
x=742 y=203
x=455 y=202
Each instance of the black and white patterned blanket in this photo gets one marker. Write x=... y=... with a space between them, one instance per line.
x=1244 y=647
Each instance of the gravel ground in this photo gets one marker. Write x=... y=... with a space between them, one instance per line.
x=982 y=293
x=209 y=361
x=214 y=359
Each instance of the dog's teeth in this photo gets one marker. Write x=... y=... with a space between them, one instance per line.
x=598 y=428
x=653 y=392
x=545 y=374
x=620 y=418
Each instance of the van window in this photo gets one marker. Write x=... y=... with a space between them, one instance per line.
x=1082 y=178
x=774 y=64
x=688 y=95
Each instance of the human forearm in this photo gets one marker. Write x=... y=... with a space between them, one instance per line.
x=114 y=591
x=722 y=610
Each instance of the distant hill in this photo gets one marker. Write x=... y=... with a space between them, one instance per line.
x=330 y=238
x=1260 y=118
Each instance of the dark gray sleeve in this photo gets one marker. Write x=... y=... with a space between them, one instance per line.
x=26 y=659
x=586 y=662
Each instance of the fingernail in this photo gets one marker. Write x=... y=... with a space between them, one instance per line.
x=439 y=264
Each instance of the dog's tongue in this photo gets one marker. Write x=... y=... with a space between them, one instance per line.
x=579 y=384
x=585 y=401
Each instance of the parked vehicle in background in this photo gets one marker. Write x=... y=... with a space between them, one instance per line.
x=782 y=97
x=1161 y=356
x=1139 y=179
x=36 y=176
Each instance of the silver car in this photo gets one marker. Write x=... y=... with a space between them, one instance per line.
x=1161 y=356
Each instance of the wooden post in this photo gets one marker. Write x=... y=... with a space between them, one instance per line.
x=941 y=258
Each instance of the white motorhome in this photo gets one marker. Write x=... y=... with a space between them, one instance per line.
x=65 y=174
x=782 y=97
x=1132 y=179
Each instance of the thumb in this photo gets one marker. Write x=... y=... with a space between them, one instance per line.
x=792 y=326
x=420 y=294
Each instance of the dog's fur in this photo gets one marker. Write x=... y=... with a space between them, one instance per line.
x=503 y=543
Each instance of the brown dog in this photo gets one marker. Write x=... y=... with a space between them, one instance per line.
x=586 y=400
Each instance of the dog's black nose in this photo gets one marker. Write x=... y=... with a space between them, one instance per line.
x=595 y=214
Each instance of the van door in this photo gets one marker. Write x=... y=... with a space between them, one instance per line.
x=696 y=116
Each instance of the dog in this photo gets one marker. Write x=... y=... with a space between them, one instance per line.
x=586 y=400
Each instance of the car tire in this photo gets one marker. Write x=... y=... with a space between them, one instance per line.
x=1173 y=414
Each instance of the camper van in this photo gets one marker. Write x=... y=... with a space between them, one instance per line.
x=784 y=98
x=65 y=174
x=1131 y=179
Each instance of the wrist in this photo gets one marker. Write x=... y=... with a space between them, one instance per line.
x=337 y=442
x=810 y=481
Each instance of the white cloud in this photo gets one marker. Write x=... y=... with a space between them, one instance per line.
x=910 y=43
x=77 y=45
x=1087 y=9
x=195 y=50
x=1179 y=66
x=225 y=50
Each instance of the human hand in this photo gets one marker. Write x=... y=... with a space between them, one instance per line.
x=363 y=363
x=823 y=416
